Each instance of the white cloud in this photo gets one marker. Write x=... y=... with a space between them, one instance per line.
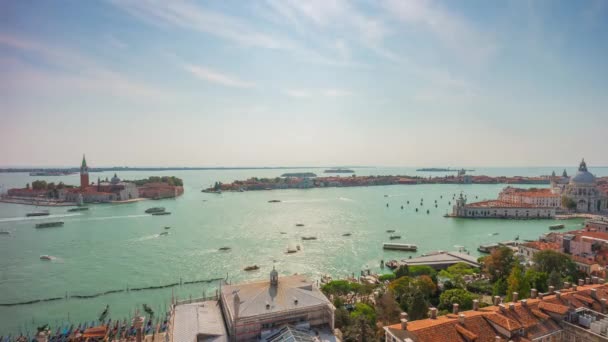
x=215 y=76
x=297 y=93
x=115 y=42
x=336 y=92
x=453 y=30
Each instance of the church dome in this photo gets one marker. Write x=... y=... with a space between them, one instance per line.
x=115 y=179
x=583 y=176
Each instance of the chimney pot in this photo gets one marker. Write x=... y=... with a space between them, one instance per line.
x=551 y=289
x=558 y=294
x=541 y=295
x=533 y=293
x=603 y=305
x=574 y=287
x=496 y=300
x=600 y=281
x=524 y=302
x=433 y=313
x=594 y=293
x=502 y=307
x=566 y=285
x=455 y=308
x=461 y=318
x=581 y=282
x=475 y=304
x=587 y=281
x=497 y=339
x=403 y=324
x=594 y=280
x=512 y=306
x=404 y=315
x=514 y=296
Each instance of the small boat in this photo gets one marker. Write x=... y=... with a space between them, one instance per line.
x=49 y=224
x=492 y=234
x=488 y=248
x=4 y=232
x=387 y=205
x=293 y=248
x=155 y=210
x=326 y=278
x=309 y=238
x=390 y=231
x=283 y=232
x=400 y=246
x=78 y=209
x=46 y=257
x=252 y=268
x=347 y=234
x=161 y=213
x=385 y=195
x=299 y=224
x=38 y=213
x=225 y=248
x=274 y=201
x=557 y=226
x=167 y=227
x=163 y=233
x=395 y=237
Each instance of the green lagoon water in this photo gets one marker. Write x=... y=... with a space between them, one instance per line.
x=118 y=246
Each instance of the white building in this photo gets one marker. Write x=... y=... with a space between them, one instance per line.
x=583 y=190
x=500 y=209
x=533 y=196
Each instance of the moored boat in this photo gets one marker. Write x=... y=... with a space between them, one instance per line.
x=49 y=224
x=78 y=209
x=161 y=213
x=309 y=238
x=557 y=226
x=224 y=248
x=395 y=237
x=299 y=224
x=252 y=268
x=274 y=201
x=38 y=213
x=390 y=231
x=400 y=246
x=4 y=232
x=392 y=264
x=347 y=234
x=46 y=257
x=154 y=210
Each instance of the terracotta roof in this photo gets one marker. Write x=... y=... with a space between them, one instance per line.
x=541 y=246
x=555 y=308
x=500 y=204
x=504 y=322
x=582 y=260
x=463 y=331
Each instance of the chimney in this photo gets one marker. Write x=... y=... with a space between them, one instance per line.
x=574 y=288
x=502 y=307
x=512 y=306
x=587 y=281
x=514 y=296
x=533 y=293
x=403 y=324
x=497 y=339
x=594 y=293
x=603 y=305
x=524 y=302
x=594 y=280
x=551 y=289
x=496 y=300
x=558 y=294
x=600 y=281
x=455 y=307
x=461 y=318
x=541 y=295
x=581 y=282
x=403 y=315
x=566 y=285
x=433 y=313
x=475 y=304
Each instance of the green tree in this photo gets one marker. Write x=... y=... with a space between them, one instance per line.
x=402 y=271
x=568 y=202
x=400 y=286
x=463 y=297
x=537 y=280
x=415 y=271
x=417 y=306
x=517 y=283
x=389 y=277
x=549 y=260
x=387 y=308
x=362 y=309
x=555 y=279
x=456 y=273
x=359 y=331
x=500 y=287
x=499 y=263
x=340 y=287
x=39 y=185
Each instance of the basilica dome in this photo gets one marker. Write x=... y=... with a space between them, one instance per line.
x=583 y=176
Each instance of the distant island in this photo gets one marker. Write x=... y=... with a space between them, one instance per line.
x=339 y=171
x=299 y=174
x=439 y=169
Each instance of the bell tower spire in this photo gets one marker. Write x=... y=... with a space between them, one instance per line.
x=84 y=174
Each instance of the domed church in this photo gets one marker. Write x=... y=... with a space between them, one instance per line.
x=583 y=189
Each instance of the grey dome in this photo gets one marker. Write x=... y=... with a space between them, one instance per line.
x=583 y=177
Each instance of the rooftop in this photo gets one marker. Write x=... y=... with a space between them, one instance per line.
x=500 y=204
x=200 y=321
x=443 y=259
x=292 y=292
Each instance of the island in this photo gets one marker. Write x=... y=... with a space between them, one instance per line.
x=441 y=169
x=338 y=171
x=255 y=183
x=113 y=190
x=299 y=174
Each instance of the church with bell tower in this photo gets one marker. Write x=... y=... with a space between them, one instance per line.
x=84 y=174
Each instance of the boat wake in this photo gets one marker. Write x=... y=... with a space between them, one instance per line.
x=311 y=200
x=346 y=199
x=112 y=217
x=32 y=218
x=145 y=238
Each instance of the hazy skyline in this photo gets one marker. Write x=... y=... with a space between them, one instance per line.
x=304 y=83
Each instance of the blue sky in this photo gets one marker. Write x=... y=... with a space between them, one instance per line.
x=235 y=83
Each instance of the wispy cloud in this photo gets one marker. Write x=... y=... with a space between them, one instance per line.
x=215 y=76
x=453 y=30
x=300 y=93
x=71 y=70
x=115 y=42
x=336 y=92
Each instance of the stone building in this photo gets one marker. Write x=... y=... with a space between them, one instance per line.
x=582 y=188
x=500 y=209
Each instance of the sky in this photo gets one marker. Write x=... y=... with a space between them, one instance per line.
x=303 y=83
